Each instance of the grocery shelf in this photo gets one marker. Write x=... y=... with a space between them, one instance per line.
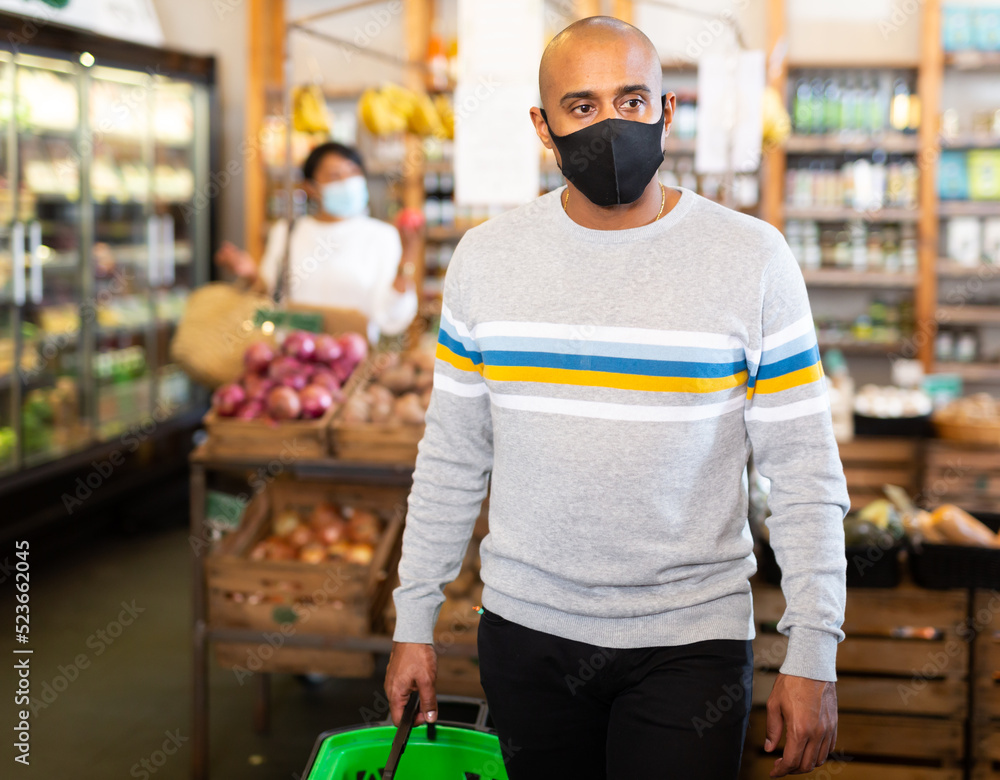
x=899 y=143
x=971 y=141
x=821 y=214
x=972 y=60
x=968 y=315
x=439 y=166
x=862 y=347
x=442 y=233
x=950 y=269
x=969 y=208
x=833 y=277
x=971 y=372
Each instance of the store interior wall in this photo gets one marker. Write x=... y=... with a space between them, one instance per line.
x=218 y=28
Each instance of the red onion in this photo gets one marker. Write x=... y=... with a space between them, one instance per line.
x=327 y=379
x=328 y=349
x=282 y=366
x=257 y=387
x=258 y=357
x=296 y=381
x=227 y=399
x=355 y=347
x=283 y=404
x=251 y=410
x=300 y=344
x=315 y=401
x=342 y=368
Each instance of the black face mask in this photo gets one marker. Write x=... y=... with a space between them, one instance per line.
x=613 y=161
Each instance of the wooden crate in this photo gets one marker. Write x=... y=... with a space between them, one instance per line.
x=375 y=442
x=964 y=474
x=291 y=439
x=986 y=694
x=870 y=463
x=902 y=683
x=286 y=597
x=288 y=440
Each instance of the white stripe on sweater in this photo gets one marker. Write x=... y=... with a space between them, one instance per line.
x=607 y=411
x=449 y=385
x=790 y=411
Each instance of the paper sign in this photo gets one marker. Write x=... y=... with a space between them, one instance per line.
x=730 y=112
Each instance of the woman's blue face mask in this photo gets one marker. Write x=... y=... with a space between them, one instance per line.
x=346 y=198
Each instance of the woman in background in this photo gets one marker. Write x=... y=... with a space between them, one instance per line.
x=338 y=256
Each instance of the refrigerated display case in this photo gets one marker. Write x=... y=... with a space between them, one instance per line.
x=104 y=149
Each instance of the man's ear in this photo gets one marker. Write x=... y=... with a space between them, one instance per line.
x=669 y=106
x=541 y=127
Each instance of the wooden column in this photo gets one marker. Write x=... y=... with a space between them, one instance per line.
x=585 y=8
x=265 y=70
x=931 y=77
x=624 y=10
x=774 y=159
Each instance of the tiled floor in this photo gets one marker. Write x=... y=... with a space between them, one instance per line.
x=110 y=675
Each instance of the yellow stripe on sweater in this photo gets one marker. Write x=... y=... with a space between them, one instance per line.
x=563 y=376
x=457 y=361
x=803 y=376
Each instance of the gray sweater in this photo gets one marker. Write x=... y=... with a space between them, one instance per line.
x=612 y=385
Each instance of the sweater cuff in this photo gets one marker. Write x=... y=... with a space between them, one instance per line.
x=415 y=622
x=811 y=654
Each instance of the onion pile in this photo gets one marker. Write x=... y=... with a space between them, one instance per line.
x=400 y=393
x=301 y=381
x=328 y=533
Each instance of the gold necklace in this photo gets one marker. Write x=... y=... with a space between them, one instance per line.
x=663 y=201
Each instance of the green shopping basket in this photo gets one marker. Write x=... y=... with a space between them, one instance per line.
x=441 y=751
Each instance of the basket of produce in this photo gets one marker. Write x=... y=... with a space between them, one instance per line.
x=892 y=411
x=949 y=548
x=383 y=421
x=873 y=541
x=974 y=420
x=308 y=558
x=448 y=749
x=286 y=398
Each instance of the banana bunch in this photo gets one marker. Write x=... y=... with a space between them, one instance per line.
x=447 y=114
x=777 y=123
x=395 y=109
x=309 y=110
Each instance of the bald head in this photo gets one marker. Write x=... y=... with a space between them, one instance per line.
x=594 y=47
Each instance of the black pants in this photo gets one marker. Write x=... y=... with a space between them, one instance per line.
x=567 y=710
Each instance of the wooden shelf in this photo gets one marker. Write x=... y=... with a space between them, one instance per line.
x=835 y=144
x=969 y=208
x=971 y=141
x=971 y=372
x=862 y=347
x=949 y=269
x=833 y=277
x=968 y=315
x=848 y=215
x=972 y=60
x=442 y=233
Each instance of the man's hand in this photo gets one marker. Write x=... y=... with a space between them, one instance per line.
x=236 y=260
x=412 y=667
x=807 y=709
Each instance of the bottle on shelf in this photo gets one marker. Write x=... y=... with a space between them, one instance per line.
x=900 y=112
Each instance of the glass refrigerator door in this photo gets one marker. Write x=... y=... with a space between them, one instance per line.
x=8 y=311
x=124 y=257
x=180 y=220
x=45 y=248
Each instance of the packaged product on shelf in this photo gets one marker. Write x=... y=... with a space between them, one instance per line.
x=991 y=240
x=964 y=240
x=840 y=386
x=986 y=29
x=953 y=175
x=984 y=174
x=957 y=28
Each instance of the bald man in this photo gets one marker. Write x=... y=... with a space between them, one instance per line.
x=609 y=356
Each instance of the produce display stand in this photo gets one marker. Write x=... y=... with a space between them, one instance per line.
x=964 y=474
x=986 y=692
x=873 y=462
x=903 y=686
x=392 y=477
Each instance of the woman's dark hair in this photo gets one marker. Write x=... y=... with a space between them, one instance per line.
x=331 y=147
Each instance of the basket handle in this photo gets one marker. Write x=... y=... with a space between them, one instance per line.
x=402 y=735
